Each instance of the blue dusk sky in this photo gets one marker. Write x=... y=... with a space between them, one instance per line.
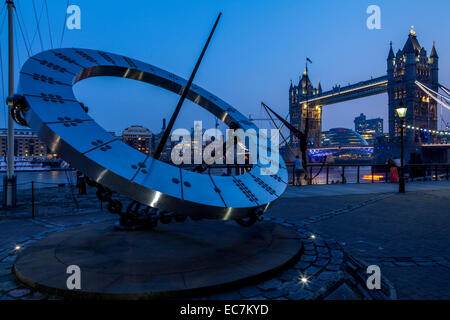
x=258 y=48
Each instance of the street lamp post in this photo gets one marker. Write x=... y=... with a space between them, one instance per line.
x=9 y=183
x=401 y=112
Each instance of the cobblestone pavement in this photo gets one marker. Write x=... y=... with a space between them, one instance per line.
x=407 y=235
x=323 y=270
x=53 y=201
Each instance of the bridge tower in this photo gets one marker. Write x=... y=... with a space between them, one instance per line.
x=299 y=110
x=403 y=69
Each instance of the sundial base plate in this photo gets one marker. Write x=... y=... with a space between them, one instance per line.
x=195 y=258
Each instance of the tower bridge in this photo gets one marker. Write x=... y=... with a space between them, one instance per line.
x=353 y=91
x=408 y=65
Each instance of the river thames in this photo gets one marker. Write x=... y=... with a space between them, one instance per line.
x=43 y=179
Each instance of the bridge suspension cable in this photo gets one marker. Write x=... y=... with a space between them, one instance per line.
x=429 y=89
x=447 y=91
x=430 y=92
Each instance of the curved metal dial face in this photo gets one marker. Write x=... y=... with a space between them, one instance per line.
x=46 y=82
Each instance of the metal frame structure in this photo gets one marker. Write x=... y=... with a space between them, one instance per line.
x=47 y=104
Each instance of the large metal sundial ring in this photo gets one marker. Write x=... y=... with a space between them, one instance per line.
x=53 y=111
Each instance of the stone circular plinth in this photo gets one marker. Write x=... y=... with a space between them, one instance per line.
x=179 y=260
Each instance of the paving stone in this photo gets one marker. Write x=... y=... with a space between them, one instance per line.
x=257 y=298
x=337 y=261
x=333 y=267
x=445 y=264
x=322 y=249
x=388 y=259
x=286 y=224
x=288 y=275
x=5 y=265
x=315 y=284
x=328 y=276
x=249 y=292
x=343 y=292
x=291 y=286
x=302 y=265
x=421 y=259
x=321 y=262
x=8 y=285
x=312 y=271
x=231 y=295
x=388 y=264
x=9 y=259
x=35 y=296
x=300 y=295
x=320 y=243
x=440 y=259
x=7 y=277
x=272 y=294
x=308 y=258
x=4 y=272
x=426 y=264
x=18 y=293
x=405 y=264
x=270 y=284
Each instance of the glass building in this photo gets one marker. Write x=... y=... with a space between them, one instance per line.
x=342 y=137
x=369 y=129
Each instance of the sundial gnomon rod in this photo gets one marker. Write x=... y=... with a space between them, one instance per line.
x=174 y=116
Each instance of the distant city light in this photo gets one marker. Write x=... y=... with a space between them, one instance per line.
x=313 y=236
x=374 y=177
x=17 y=247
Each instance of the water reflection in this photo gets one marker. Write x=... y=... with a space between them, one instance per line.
x=44 y=179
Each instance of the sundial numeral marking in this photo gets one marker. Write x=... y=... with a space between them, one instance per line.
x=131 y=63
x=68 y=122
x=44 y=78
x=53 y=66
x=67 y=59
x=99 y=144
x=141 y=166
x=106 y=57
x=245 y=190
x=275 y=176
x=86 y=56
x=264 y=185
x=52 y=97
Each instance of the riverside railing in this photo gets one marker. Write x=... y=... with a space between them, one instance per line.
x=346 y=173
x=363 y=173
x=39 y=199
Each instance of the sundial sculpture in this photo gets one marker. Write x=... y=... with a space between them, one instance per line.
x=46 y=103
